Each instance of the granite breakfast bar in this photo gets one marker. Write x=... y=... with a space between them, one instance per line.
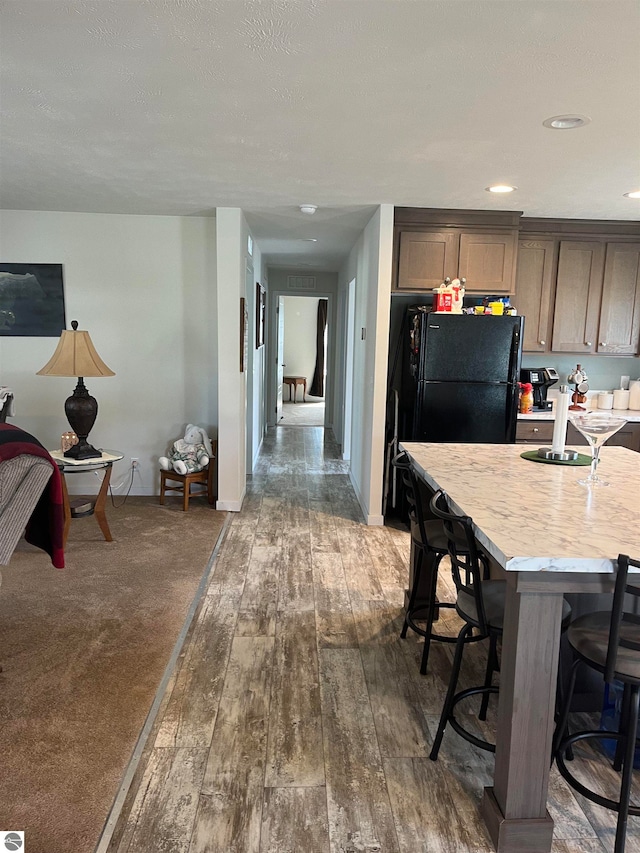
x=550 y=536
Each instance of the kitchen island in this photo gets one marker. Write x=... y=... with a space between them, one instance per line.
x=549 y=536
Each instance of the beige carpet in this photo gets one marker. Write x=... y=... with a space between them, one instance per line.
x=303 y=414
x=83 y=651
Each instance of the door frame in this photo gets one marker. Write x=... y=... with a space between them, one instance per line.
x=349 y=347
x=272 y=353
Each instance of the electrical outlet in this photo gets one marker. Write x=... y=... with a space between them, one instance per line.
x=135 y=462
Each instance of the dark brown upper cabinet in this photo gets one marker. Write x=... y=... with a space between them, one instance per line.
x=578 y=286
x=619 y=327
x=578 y=296
x=431 y=245
x=534 y=291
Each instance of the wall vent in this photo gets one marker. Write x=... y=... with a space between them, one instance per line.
x=301 y=282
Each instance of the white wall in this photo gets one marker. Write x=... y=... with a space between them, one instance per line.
x=144 y=287
x=300 y=332
x=232 y=383
x=256 y=416
x=370 y=264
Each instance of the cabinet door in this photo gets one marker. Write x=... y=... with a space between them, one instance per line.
x=427 y=258
x=533 y=292
x=619 y=329
x=487 y=261
x=578 y=293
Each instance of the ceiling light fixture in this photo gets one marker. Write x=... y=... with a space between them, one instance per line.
x=309 y=239
x=310 y=209
x=568 y=122
x=634 y=194
x=500 y=188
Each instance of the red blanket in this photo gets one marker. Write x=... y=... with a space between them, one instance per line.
x=46 y=525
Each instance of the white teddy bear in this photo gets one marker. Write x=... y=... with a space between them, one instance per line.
x=188 y=454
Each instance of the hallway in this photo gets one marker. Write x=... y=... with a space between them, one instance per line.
x=296 y=720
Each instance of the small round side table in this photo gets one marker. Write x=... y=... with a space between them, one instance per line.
x=294 y=381
x=81 y=507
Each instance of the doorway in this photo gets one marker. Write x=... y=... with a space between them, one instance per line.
x=303 y=330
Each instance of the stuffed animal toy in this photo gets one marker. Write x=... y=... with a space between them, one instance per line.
x=188 y=454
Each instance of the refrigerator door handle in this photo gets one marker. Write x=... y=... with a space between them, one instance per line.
x=514 y=360
x=514 y=379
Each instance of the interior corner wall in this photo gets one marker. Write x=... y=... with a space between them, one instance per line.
x=232 y=382
x=370 y=263
x=256 y=366
x=144 y=287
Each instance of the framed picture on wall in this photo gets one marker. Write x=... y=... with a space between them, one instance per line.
x=31 y=300
x=244 y=333
x=261 y=307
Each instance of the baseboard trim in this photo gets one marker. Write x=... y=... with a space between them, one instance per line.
x=229 y=506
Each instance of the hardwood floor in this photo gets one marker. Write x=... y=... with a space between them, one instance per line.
x=297 y=720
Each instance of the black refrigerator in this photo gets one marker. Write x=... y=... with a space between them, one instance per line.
x=461 y=376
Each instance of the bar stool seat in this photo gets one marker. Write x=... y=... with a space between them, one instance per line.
x=429 y=544
x=480 y=603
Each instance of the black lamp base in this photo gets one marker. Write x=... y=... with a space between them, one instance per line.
x=81 y=410
x=82 y=450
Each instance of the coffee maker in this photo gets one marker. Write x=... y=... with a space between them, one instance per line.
x=541 y=378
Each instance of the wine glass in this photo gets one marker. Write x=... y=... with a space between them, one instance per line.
x=596 y=427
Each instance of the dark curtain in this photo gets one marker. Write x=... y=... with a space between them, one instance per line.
x=317 y=386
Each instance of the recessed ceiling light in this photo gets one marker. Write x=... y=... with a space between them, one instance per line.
x=634 y=194
x=309 y=239
x=568 y=122
x=308 y=208
x=501 y=188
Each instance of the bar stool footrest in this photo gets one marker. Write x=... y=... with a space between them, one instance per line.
x=459 y=728
x=567 y=743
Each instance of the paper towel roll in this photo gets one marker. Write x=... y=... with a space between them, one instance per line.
x=560 y=423
x=634 y=395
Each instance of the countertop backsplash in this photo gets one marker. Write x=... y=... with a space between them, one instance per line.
x=591 y=404
x=603 y=371
x=603 y=374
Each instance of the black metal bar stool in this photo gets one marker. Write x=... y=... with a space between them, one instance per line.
x=429 y=543
x=608 y=642
x=480 y=603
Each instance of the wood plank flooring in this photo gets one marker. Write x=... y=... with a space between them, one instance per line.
x=297 y=721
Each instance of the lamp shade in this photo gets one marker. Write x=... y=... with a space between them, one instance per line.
x=75 y=355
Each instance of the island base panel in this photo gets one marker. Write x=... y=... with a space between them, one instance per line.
x=535 y=835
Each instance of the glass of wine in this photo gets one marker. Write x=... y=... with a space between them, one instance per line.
x=596 y=427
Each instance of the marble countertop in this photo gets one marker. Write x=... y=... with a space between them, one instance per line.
x=534 y=516
x=628 y=414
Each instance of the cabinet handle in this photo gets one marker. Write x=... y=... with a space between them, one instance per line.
x=588 y=343
x=543 y=343
x=602 y=344
x=535 y=429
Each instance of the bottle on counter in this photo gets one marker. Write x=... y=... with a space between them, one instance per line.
x=526 y=398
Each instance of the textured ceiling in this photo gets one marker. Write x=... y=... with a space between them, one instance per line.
x=182 y=106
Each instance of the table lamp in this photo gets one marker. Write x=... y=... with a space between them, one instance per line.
x=76 y=355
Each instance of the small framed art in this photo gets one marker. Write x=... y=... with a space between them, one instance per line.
x=261 y=306
x=31 y=300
